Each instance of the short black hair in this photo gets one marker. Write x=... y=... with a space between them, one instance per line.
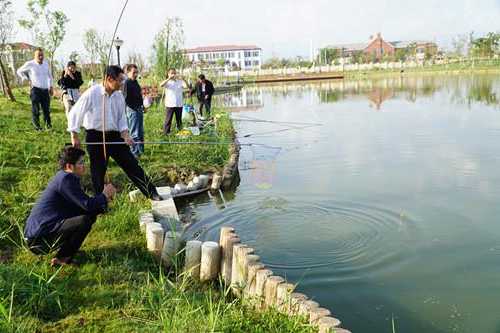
x=201 y=76
x=113 y=72
x=129 y=67
x=71 y=63
x=69 y=155
x=38 y=49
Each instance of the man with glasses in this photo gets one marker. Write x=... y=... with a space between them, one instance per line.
x=63 y=215
x=110 y=124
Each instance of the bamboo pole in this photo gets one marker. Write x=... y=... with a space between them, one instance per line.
x=328 y=325
x=193 y=259
x=171 y=246
x=270 y=289
x=283 y=294
x=154 y=237
x=260 y=281
x=210 y=261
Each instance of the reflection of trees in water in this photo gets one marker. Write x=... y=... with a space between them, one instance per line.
x=482 y=91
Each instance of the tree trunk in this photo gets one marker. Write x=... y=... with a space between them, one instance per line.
x=5 y=83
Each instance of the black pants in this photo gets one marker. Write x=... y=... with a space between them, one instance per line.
x=40 y=98
x=207 y=104
x=122 y=156
x=168 y=119
x=67 y=239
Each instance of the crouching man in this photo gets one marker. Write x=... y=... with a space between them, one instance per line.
x=63 y=215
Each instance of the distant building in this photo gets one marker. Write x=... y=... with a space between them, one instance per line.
x=245 y=57
x=15 y=55
x=377 y=48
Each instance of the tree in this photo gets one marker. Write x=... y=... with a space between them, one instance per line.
x=328 y=55
x=168 y=47
x=486 y=46
x=47 y=27
x=137 y=58
x=6 y=28
x=97 y=47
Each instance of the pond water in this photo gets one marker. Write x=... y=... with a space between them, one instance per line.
x=386 y=206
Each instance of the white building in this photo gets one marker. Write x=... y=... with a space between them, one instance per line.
x=244 y=57
x=15 y=55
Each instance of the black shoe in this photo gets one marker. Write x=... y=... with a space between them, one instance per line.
x=156 y=197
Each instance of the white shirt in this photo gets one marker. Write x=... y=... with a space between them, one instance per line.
x=173 y=93
x=88 y=111
x=39 y=74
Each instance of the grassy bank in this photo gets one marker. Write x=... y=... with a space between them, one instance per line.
x=119 y=286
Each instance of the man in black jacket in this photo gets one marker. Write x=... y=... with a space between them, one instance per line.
x=70 y=83
x=204 y=91
x=64 y=214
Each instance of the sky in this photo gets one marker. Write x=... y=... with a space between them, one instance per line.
x=282 y=28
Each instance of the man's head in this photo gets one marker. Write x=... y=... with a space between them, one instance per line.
x=201 y=78
x=172 y=73
x=114 y=78
x=71 y=160
x=38 y=55
x=132 y=71
x=71 y=66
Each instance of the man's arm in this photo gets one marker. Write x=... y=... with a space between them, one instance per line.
x=23 y=71
x=122 y=122
x=76 y=115
x=71 y=190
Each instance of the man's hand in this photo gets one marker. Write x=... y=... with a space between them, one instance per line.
x=51 y=91
x=206 y=97
x=109 y=191
x=75 y=140
x=129 y=140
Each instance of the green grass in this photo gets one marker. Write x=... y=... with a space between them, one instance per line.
x=119 y=287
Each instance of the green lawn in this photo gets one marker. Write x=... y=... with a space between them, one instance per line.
x=119 y=286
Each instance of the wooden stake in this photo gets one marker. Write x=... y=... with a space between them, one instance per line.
x=210 y=261
x=283 y=294
x=227 y=259
x=270 y=290
x=306 y=307
x=253 y=267
x=317 y=313
x=260 y=281
x=171 y=246
x=295 y=300
x=328 y=325
x=193 y=259
x=154 y=237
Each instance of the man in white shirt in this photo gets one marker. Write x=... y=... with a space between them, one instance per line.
x=37 y=71
x=174 y=88
x=88 y=112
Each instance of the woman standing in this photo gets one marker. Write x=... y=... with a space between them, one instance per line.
x=70 y=83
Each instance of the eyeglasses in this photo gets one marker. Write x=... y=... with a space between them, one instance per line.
x=80 y=162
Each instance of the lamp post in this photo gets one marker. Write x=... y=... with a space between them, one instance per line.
x=118 y=44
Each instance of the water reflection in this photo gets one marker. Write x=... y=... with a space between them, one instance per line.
x=463 y=90
x=375 y=214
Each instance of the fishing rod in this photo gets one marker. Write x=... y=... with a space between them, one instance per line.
x=180 y=143
x=276 y=122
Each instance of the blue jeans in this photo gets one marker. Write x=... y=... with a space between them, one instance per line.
x=135 y=121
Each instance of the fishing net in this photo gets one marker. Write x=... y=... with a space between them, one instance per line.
x=262 y=165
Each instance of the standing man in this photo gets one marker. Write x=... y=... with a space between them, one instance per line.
x=70 y=83
x=37 y=71
x=173 y=99
x=109 y=124
x=135 y=109
x=63 y=215
x=204 y=91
